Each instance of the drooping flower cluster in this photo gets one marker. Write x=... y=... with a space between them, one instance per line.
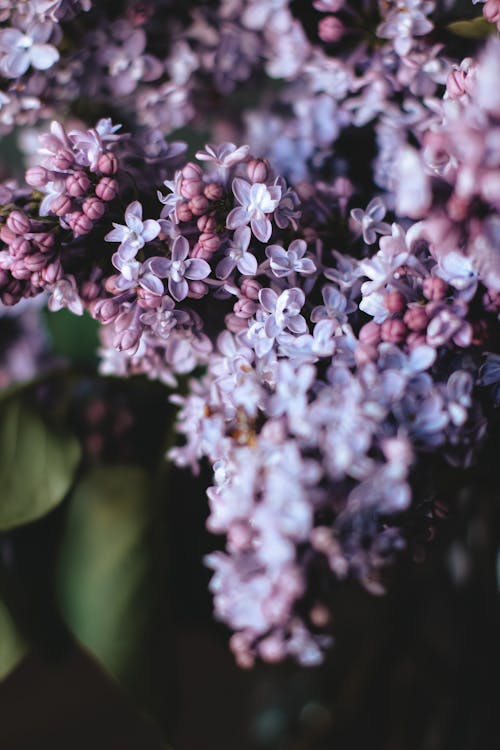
x=344 y=306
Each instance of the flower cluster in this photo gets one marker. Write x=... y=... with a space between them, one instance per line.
x=342 y=307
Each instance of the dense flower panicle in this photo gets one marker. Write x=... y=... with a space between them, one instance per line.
x=344 y=318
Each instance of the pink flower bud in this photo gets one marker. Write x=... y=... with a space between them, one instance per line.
x=35 y=262
x=245 y=308
x=64 y=159
x=93 y=208
x=183 y=212
x=45 y=241
x=257 y=170
x=147 y=300
x=393 y=331
x=191 y=188
x=18 y=222
x=250 y=288
x=365 y=353
x=107 y=163
x=491 y=11
x=7 y=235
x=370 y=333
x=206 y=223
x=104 y=310
x=455 y=84
x=61 y=205
x=77 y=184
x=415 y=339
x=199 y=251
x=416 y=318
x=394 y=302
x=198 y=205
x=213 y=191
x=192 y=172
x=197 y=289
x=107 y=189
x=330 y=29
x=89 y=291
x=20 y=247
x=434 y=288
x=235 y=324
x=209 y=241
x=37 y=176
x=52 y=273
x=80 y=224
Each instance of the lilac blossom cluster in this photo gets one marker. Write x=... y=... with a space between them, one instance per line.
x=344 y=324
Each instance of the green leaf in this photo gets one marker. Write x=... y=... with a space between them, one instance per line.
x=475 y=28
x=12 y=646
x=37 y=463
x=104 y=563
x=72 y=336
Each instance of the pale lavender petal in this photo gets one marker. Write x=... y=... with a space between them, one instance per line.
x=43 y=56
x=261 y=228
x=150 y=230
x=247 y=264
x=197 y=269
x=268 y=299
x=237 y=218
x=241 y=190
x=180 y=248
x=152 y=284
x=178 y=289
x=159 y=266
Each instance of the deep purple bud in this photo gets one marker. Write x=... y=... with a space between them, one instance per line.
x=7 y=235
x=19 y=271
x=77 y=184
x=37 y=176
x=107 y=189
x=45 y=241
x=35 y=262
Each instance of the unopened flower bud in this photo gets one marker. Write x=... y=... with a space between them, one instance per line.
x=245 y=308
x=37 y=176
x=198 y=205
x=491 y=11
x=80 y=224
x=213 y=191
x=416 y=318
x=190 y=188
x=210 y=242
x=235 y=324
x=197 y=289
x=370 y=333
x=61 y=205
x=64 y=159
x=257 y=170
x=7 y=235
x=434 y=288
x=93 y=208
x=192 y=171
x=330 y=29
x=20 y=247
x=183 y=211
x=455 y=84
x=35 y=262
x=250 y=288
x=107 y=163
x=393 y=331
x=394 y=302
x=45 y=242
x=77 y=184
x=206 y=223
x=18 y=222
x=107 y=189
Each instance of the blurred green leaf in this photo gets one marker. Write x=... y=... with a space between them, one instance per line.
x=37 y=463
x=103 y=564
x=72 y=336
x=475 y=28
x=12 y=645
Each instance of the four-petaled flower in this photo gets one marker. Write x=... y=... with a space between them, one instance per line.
x=256 y=201
x=285 y=262
x=179 y=268
x=134 y=235
x=238 y=256
x=21 y=49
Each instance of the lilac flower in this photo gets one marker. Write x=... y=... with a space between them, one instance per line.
x=21 y=49
x=134 y=234
x=179 y=268
x=256 y=201
x=335 y=306
x=64 y=294
x=284 y=311
x=238 y=256
x=226 y=155
x=133 y=274
x=285 y=262
x=370 y=221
